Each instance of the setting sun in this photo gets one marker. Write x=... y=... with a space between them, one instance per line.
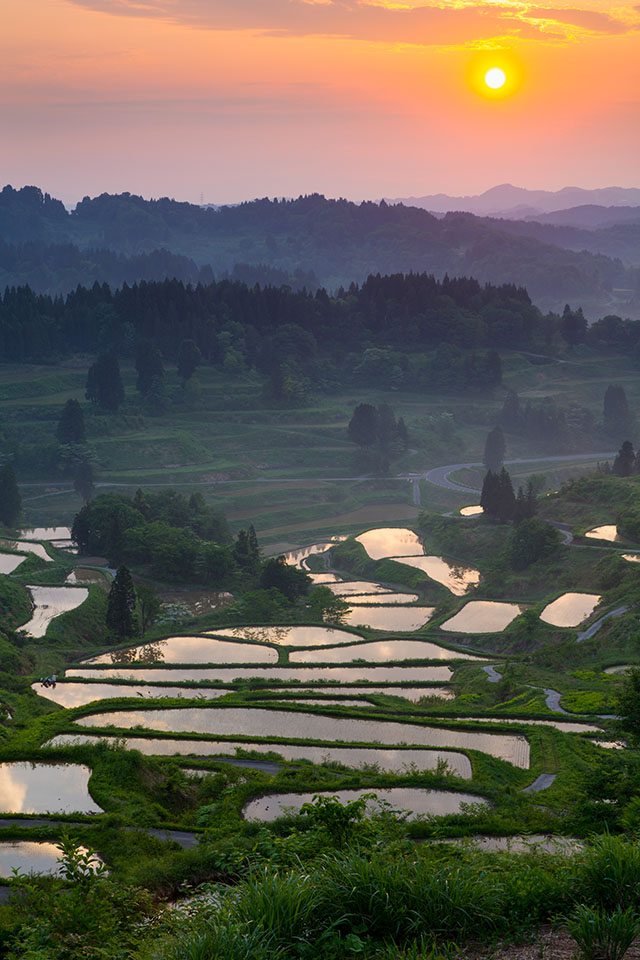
x=495 y=78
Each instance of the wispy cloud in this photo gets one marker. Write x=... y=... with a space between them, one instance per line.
x=450 y=24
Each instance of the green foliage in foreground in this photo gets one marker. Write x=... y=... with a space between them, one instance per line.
x=351 y=902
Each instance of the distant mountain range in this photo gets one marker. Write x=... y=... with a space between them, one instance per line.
x=517 y=203
x=311 y=241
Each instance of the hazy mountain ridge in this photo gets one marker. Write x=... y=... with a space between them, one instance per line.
x=337 y=240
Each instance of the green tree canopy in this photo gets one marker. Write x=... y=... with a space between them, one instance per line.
x=121 y=603
x=494 y=450
x=10 y=499
x=70 y=427
x=104 y=383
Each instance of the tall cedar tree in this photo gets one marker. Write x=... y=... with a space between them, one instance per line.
x=624 y=463
x=616 y=417
x=148 y=365
x=70 y=427
x=121 y=603
x=189 y=357
x=104 y=383
x=83 y=480
x=363 y=426
x=10 y=500
x=494 y=450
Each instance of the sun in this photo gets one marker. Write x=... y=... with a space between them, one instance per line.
x=495 y=78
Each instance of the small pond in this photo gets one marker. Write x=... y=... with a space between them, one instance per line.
x=45 y=788
x=287 y=636
x=415 y=801
x=455 y=577
x=29 y=857
x=9 y=562
x=346 y=587
x=565 y=726
x=51 y=602
x=78 y=694
x=608 y=531
x=45 y=533
x=88 y=576
x=570 y=609
x=346 y=674
x=395 y=761
x=631 y=557
x=535 y=843
x=381 y=598
x=402 y=619
x=472 y=511
x=620 y=668
x=190 y=650
x=36 y=548
x=379 y=650
x=482 y=616
x=258 y=722
x=390 y=542
x=609 y=744
x=296 y=557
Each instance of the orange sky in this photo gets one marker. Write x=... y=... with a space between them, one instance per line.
x=234 y=99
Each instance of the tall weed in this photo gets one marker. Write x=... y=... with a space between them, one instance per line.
x=603 y=935
x=609 y=873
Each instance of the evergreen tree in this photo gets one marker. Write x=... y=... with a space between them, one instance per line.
x=148 y=605
x=507 y=507
x=624 y=463
x=363 y=426
x=511 y=416
x=573 y=326
x=81 y=529
x=148 y=365
x=189 y=357
x=121 y=603
x=83 y=480
x=70 y=427
x=104 y=383
x=10 y=499
x=403 y=434
x=616 y=418
x=493 y=368
x=494 y=450
x=490 y=496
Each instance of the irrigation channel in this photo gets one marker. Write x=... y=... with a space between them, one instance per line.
x=324 y=694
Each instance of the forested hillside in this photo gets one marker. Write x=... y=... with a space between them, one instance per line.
x=338 y=241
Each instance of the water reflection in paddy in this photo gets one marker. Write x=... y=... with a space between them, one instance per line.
x=287 y=636
x=565 y=726
x=381 y=598
x=45 y=788
x=415 y=801
x=455 y=577
x=345 y=674
x=190 y=650
x=620 y=668
x=30 y=857
x=345 y=587
x=608 y=531
x=296 y=557
x=257 y=722
x=570 y=609
x=381 y=650
x=631 y=557
x=78 y=694
x=390 y=542
x=87 y=576
x=18 y=545
x=45 y=533
x=535 y=843
x=324 y=701
x=324 y=577
x=9 y=562
x=51 y=602
x=482 y=616
x=472 y=511
x=404 y=619
x=395 y=761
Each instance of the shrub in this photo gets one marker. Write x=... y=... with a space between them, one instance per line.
x=602 y=935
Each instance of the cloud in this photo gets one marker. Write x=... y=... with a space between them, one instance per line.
x=366 y=20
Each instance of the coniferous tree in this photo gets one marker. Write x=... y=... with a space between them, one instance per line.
x=104 y=383
x=121 y=603
x=624 y=463
x=573 y=326
x=363 y=426
x=81 y=530
x=490 y=496
x=511 y=416
x=10 y=499
x=507 y=506
x=148 y=365
x=494 y=450
x=70 y=427
x=83 y=480
x=148 y=605
x=189 y=357
x=616 y=417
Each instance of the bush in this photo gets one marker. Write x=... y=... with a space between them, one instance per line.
x=602 y=935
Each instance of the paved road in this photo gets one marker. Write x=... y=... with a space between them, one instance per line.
x=440 y=475
x=540 y=783
x=589 y=632
x=492 y=674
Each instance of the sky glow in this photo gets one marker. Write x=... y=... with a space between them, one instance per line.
x=232 y=99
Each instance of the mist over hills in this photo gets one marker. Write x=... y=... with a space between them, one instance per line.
x=505 y=200
x=308 y=241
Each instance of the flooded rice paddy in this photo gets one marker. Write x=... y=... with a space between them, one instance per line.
x=608 y=531
x=79 y=694
x=393 y=761
x=30 y=857
x=455 y=577
x=287 y=636
x=259 y=722
x=534 y=843
x=380 y=650
x=482 y=616
x=46 y=533
x=297 y=557
x=570 y=609
x=45 y=788
x=631 y=557
x=565 y=726
x=473 y=511
x=51 y=602
x=413 y=801
x=620 y=668
x=9 y=562
x=190 y=650
x=390 y=542
x=346 y=587
x=346 y=674
x=20 y=546
x=383 y=598
x=87 y=576
x=402 y=619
